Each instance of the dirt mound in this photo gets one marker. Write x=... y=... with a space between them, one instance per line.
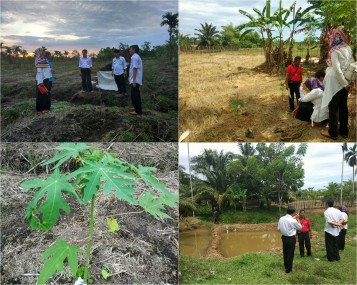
x=93 y=123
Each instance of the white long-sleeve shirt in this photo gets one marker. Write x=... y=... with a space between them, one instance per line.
x=85 y=62
x=315 y=97
x=287 y=226
x=332 y=215
x=138 y=64
x=118 y=65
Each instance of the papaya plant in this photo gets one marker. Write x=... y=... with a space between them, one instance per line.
x=97 y=170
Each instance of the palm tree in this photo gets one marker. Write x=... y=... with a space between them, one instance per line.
x=171 y=20
x=344 y=148
x=66 y=53
x=207 y=35
x=351 y=159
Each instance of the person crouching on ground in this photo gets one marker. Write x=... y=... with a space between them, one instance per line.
x=310 y=104
x=304 y=235
x=85 y=66
x=342 y=236
x=287 y=226
x=293 y=80
x=333 y=225
x=135 y=79
x=119 y=72
x=336 y=85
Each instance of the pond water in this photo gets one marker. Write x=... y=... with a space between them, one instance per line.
x=194 y=243
x=237 y=243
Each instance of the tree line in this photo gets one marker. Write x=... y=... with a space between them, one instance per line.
x=258 y=30
x=260 y=175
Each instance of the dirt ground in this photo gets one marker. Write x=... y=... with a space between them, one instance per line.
x=90 y=117
x=145 y=250
x=209 y=83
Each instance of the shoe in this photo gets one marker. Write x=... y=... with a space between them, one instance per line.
x=134 y=113
x=290 y=111
x=343 y=135
x=325 y=133
x=287 y=271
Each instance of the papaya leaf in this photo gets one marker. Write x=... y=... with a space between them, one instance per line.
x=112 y=176
x=105 y=274
x=55 y=256
x=153 y=206
x=49 y=196
x=113 y=224
x=69 y=150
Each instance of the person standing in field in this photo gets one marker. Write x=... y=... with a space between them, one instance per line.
x=293 y=81
x=333 y=225
x=50 y=81
x=342 y=236
x=287 y=226
x=119 y=72
x=135 y=79
x=336 y=86
x=43 y=97
x=85 y=66
x=304 y=235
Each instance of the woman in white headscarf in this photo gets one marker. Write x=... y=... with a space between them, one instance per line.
x=43 y=96
x=336 y=85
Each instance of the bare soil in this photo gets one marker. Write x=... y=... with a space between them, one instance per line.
x=208 y=85
x=97 y=116
x=145 y=250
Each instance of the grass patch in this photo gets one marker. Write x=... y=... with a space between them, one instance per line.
x=11 y=114
x=251 y=217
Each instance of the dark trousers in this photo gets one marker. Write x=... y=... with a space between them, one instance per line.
x=331 y=247
x=305 y=111
x=86 y=79
x=120 y=81
x=136 y=98
x=294 y=88
x=341 y=239
x=304 y=241
x=288 y=252
x=338 y=111
x=49 y=88
x=43 y=101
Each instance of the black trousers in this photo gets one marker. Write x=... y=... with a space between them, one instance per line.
x=120 y=81
x=305 y=111
x=338 y=111
x=288 y=252
x=136 y=98
x=304 y=241
x=331 y=247
x=86 y=79
x=341 y=239
x=294 y=88
x=43 y=101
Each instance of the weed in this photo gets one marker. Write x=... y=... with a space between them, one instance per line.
x=127 y=136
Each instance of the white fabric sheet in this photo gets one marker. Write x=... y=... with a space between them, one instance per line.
x=106 y=81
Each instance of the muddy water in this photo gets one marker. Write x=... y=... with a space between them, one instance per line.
x=237 y=243
x=194 y=243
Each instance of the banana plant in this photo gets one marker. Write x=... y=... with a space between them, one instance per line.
x=98 y=171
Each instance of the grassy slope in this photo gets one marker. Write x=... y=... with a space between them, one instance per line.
x=255 y=268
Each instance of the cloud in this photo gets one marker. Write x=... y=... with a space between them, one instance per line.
x=94 y=24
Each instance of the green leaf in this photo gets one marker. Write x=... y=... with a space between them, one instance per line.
x=54 y=258
x=105 y=274
x=113 y=224
x=69 y=150
x=153 y=206
x=50 y=204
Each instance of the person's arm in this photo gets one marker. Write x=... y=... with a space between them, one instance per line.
x=113 y=67
x=80 y=70
x=90 y=63
x=135 y=71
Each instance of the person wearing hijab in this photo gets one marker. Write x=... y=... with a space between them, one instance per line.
x=43 y=98
x=342 y=236
x=336 y=86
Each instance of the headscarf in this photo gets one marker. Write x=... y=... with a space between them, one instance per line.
x=336 y=39
x=40 y=59
x=343 y=208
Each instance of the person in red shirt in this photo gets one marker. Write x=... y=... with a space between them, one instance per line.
x=304 y=235
x=293 y=81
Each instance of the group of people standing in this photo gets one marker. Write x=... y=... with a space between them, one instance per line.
x=44 y=77
x=328 y=91
x=292 y=226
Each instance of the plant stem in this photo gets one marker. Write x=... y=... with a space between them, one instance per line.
x=89 y=244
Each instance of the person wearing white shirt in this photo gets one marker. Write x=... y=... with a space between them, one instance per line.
x=85 y=65
x=119 y=71
x=287 y=226
x=135 y=79
x=333 y=225
x=342 y=236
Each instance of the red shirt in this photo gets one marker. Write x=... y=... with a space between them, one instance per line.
x=306 y=225
x=291 y=70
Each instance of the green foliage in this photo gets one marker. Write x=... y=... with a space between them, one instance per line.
x=127 y=136
x=153 y=206
x=113 y=224
x=50 y=204
x=207 y=35
x=55 y=257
